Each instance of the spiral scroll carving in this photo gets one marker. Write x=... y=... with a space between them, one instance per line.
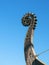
x=28 y=19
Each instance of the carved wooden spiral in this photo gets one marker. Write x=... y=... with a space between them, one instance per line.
x=28 y=19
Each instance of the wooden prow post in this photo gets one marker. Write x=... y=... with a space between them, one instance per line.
x=30 y=57
x=29 y=36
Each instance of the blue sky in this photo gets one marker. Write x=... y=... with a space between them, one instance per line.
x=12 y=32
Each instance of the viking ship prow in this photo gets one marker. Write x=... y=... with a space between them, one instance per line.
x=30 y=56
